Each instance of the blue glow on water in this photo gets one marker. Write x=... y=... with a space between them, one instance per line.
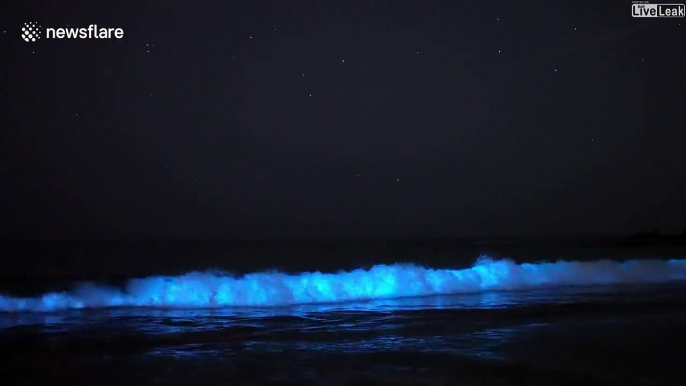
x=201 y=289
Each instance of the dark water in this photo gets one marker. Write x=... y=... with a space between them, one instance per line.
x=624 y=333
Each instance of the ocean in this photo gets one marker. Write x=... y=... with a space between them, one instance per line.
x=427 y=312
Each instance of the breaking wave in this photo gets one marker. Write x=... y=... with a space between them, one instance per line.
x=203 y=289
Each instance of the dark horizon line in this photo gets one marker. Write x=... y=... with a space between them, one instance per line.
x=332 y=239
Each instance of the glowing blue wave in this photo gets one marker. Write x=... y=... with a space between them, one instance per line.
x=199 y=289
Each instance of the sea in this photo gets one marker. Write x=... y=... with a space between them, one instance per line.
x=399 y=312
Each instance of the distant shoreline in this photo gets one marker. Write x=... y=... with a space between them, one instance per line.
x=590 y=240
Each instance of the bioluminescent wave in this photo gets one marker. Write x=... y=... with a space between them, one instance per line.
x=198 y=289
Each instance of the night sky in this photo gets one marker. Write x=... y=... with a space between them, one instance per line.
x=309 y=119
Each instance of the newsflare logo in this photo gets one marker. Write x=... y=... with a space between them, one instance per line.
x=32 y=32
x=645 y=9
